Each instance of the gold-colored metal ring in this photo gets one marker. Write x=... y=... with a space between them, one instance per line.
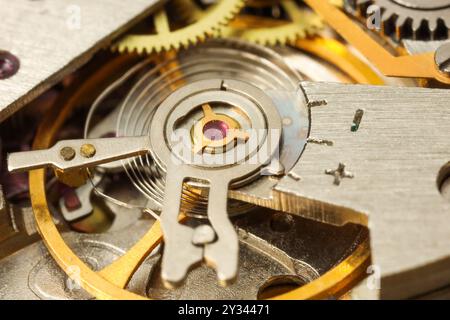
x=110 y=283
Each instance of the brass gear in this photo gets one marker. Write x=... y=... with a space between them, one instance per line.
x=261 y=3
x=266 y=31
x=202 y=23
x=264 y=3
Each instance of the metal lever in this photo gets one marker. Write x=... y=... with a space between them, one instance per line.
x=79 y=153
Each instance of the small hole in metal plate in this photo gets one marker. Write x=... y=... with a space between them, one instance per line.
x=9 y=64
x=443 y=181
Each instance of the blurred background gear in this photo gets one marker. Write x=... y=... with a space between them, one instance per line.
x=179 y=24
x=287 y=22
x=409 y=19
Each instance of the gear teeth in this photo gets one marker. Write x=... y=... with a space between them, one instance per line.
x=403 y=22
x=433 y=26
x=212 y=26
x=416 y=25
x=401 y=27
x=387 y=15
x=445 y=23
x=208 y=25
x=303 y=23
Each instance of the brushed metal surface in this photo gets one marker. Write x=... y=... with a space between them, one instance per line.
x=52 y=38
x=395 y=157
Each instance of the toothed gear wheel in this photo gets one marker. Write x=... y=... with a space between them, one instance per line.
x=300 y=23
x=261 y=3
x=202 y=22
x=410 y=19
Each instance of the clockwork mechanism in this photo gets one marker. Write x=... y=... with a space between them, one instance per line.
x=231 y=150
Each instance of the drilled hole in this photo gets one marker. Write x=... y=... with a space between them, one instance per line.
x=443 y=181
x=9 y=64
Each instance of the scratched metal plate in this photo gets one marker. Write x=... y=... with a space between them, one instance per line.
x=52 y=38
x=395 y=158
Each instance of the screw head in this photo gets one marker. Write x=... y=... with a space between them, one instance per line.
x=9 y=64
x=87 y=150
x=442 y=58
x=67 y=153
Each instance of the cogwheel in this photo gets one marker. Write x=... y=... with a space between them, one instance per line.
x=265 y=3
x=409 y=19
x=300 y=23
x=261 y=3
x=201 y=23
